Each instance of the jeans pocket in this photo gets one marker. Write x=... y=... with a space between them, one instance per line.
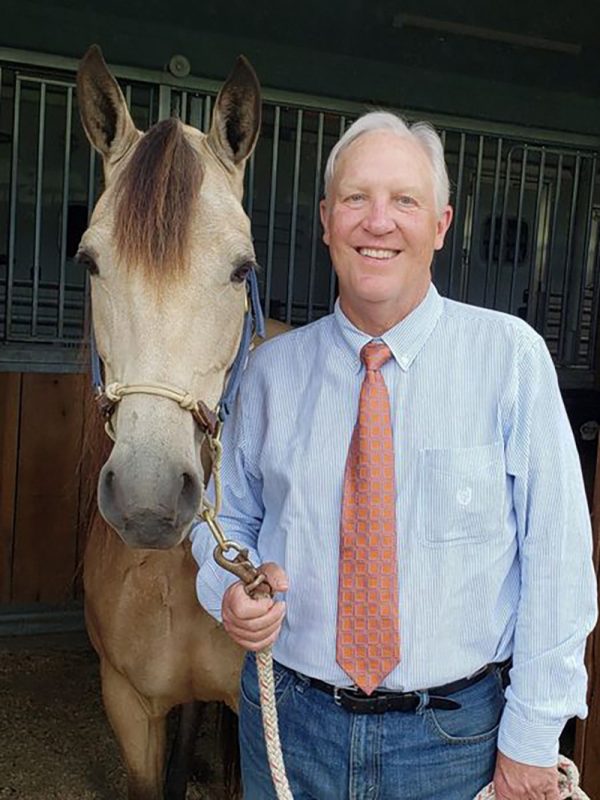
x=461 y=494
x=478 y=718
x=283 y=679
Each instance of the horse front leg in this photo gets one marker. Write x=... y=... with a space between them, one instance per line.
x=140 y=732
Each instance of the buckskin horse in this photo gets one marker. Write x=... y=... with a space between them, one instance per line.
x=168 y=248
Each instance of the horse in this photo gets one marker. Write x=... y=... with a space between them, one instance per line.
x=167 y=248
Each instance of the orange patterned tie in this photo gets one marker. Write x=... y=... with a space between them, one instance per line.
x=368 y=636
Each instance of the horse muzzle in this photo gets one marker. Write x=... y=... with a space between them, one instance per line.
x=153 y=510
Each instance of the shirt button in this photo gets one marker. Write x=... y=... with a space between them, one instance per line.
x=404 y=361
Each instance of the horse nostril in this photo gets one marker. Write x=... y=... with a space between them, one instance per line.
x=190 y=491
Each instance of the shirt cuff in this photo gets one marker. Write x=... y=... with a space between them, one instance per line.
x=212 y=581
x=529 y=742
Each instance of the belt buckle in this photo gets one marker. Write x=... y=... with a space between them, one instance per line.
x=341 y=692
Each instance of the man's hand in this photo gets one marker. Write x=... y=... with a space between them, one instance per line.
x=255 y=624
x=516 y=781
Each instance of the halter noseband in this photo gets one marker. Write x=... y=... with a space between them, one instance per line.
x=208 y=420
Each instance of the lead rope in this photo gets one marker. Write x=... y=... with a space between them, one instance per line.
x=255 y=585
x=568 y=783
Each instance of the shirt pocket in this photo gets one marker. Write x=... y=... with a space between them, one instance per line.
x=461 y=494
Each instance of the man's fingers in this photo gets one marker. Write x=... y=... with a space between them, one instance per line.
x=255 y=638
x=275 y=575
x=255 y=626
x=244 y=607
x=255 y=647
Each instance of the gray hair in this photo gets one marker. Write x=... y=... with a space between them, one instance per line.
x=422 y=132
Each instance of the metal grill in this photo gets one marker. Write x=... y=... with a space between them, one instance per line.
x=524 y=239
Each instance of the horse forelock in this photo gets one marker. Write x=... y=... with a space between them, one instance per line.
x=155 y=197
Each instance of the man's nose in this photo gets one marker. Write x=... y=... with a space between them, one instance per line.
x=379 y=220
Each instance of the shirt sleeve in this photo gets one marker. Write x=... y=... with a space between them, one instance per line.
x=557 y=604
x=240 y=517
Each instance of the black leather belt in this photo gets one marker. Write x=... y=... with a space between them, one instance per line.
x=378 y=702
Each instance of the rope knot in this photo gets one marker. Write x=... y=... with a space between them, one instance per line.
x=114 y=392
x=187 y=402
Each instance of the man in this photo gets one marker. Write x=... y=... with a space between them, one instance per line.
x=390 y=673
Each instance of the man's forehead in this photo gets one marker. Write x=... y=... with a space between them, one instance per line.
x=385 y=152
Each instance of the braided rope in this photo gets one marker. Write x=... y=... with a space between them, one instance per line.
x=568 y=783
x=266 y=683
x=116 y=391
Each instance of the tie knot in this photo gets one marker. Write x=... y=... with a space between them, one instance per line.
x=375 y=354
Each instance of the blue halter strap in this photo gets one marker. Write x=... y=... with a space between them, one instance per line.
x=254 y=324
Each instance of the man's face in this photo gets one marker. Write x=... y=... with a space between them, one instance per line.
x=381 y=224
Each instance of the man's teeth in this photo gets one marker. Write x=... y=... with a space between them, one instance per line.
x=373 y=253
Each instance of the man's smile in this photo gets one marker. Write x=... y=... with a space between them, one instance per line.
x=379 y=253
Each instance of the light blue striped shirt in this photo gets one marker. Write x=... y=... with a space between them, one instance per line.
x=494 y=540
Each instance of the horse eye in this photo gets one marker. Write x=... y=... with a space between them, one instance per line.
x=86 y=260
x=240 y=273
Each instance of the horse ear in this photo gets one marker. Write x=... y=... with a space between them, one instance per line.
x=102 y=107
x=236 y=118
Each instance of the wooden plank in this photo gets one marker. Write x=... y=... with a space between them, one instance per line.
x=10 y=393
x=47 y=502
x=587 y=740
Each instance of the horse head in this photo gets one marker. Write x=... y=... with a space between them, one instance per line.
x=167 y=248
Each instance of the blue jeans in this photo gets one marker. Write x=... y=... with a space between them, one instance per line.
x=333 y=754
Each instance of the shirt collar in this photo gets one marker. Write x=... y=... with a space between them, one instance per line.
x=405 y=339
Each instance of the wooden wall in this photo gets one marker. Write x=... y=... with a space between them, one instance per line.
x=41 y=423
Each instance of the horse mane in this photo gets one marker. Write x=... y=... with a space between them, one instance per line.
x=155 y=197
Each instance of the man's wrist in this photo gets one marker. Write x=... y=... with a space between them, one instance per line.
x=528 y=742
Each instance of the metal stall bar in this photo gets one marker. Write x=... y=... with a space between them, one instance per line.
x=515 y=264
x=39 y=179
x=164 y=102
x=12 y=215
x=473 y=225
x=315 y=217
x=207 y=113
x=488 y=267
x=272 y=206
x=536 y=258
x=196 y=108
x=503 y=223
x=65 y=213
x=578 y=316
x=332 y=275
x=595 y=315
x=457 y=210
x=566 y=289
x=183 y=106
x=547 y=282
x=128 y=96
x=294 y=218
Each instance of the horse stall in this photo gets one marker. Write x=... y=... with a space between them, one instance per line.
x=525 y=240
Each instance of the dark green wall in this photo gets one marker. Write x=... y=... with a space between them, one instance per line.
x=349 y=49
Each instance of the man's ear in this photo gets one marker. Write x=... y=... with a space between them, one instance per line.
x=324 y=211
x=236 y=117
x=442 y=225
x=102 y=107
